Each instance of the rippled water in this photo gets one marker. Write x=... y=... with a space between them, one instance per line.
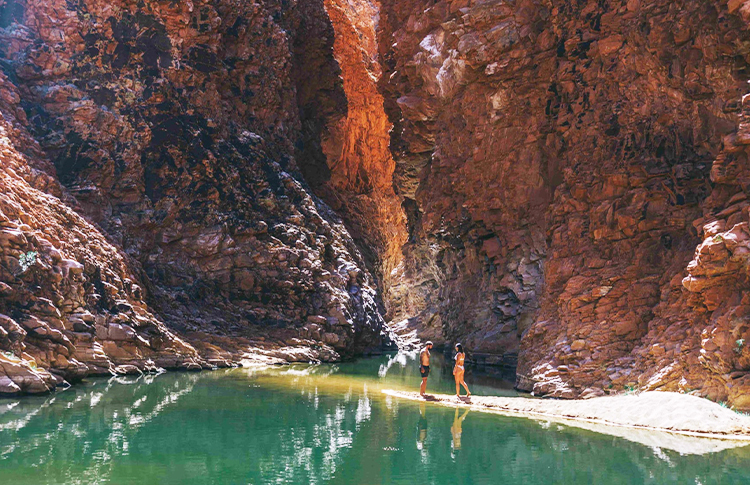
x=325 y=424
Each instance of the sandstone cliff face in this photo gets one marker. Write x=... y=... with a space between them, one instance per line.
x=560 y=186
x=70 y=301
x=346 y=156
x=556 y=160
x=170 y=127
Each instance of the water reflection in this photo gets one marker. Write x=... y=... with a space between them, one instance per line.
x=400 y=359
x=87 y=425
x=422 y=426
x=456 y=431
x=313 y=425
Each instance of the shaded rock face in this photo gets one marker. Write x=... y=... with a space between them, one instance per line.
x=149 y=173
x=70 y=301
x=559 y=164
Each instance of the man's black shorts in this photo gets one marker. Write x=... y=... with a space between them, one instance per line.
x=424 y=370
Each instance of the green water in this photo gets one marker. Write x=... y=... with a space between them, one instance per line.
x=327 y=424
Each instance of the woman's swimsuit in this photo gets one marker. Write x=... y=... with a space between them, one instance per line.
x=460 y=358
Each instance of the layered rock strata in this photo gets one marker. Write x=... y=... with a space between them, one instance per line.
x=150 y=189
x=560 y=162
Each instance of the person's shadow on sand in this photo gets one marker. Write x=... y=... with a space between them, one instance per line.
x=466 y=399
x=428 y=397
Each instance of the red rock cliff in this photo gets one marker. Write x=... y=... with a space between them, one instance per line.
x=560 y=186
x=346 y=156
x=151 y=189
x=560 y=162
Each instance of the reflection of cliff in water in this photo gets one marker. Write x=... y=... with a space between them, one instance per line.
x=476 y=371
x=87 y=425
x=311 y=442
x=82 y=434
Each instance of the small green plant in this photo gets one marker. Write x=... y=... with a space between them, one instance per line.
x=27 y=260
x=718 y=238
x=740 y=345
x=723 y=404
x=630 y=389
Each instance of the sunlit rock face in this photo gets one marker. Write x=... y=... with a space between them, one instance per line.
x=560 y=162
x=70 y=301
x=345 y=154
x=149 y=168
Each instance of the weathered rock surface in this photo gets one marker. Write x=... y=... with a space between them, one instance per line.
x=346 y=156
x=70 y=303
x=560 y=186
x=560 y=162
x=150 y=187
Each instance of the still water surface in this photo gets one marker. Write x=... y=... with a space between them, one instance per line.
x=326 y=424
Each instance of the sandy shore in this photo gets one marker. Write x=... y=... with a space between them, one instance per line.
x=680 y=422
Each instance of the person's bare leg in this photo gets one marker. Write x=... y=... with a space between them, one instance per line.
x=458 y=385
x=463 y=383
x=423 y=387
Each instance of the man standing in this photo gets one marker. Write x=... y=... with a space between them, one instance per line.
x=424 y=366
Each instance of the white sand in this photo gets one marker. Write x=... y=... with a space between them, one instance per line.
x=680 y=422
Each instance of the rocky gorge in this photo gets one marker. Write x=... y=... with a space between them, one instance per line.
x=576 y=208
x=149 y=177
x=558 y=185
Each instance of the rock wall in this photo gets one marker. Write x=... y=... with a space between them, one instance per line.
x=560 y=186
x=70 y=302
x=346 y=156
x=559 y=164
x=149 y=156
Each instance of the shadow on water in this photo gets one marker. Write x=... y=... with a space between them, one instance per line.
x=313 y=425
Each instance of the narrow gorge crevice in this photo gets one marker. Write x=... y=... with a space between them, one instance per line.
x=344 y=153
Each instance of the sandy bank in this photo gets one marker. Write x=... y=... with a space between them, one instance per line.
x=680 y=422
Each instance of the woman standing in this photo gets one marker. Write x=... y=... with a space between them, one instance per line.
x=458 y=370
